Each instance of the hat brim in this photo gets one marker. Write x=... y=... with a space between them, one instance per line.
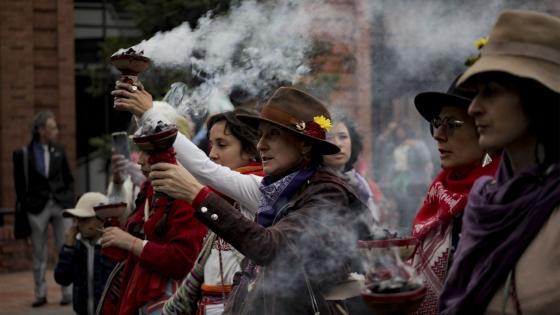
x=539 y=70
x=77 y=213
x=429 y=104
x=323 y=147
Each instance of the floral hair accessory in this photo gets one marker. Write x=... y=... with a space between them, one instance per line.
x=481 y=42
x=323 y=122
x=316 y=128
x=478 y=44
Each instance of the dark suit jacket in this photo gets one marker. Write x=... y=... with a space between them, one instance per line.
x=59 y=184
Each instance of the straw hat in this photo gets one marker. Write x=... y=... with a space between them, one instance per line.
x=85 y=205
x=429 y=104
x=524 y=44
x=298 y=112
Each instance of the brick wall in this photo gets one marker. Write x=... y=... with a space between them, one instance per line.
x=36 y=73
x=342 y=64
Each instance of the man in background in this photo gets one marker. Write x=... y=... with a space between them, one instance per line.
x=45 y=187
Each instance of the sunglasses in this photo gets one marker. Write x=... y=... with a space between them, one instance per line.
x=448 y=124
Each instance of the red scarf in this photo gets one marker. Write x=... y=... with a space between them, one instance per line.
x=447 y=198
x=254 y=168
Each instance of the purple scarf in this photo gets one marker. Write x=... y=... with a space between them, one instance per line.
x=501 y=219
x=276 y=194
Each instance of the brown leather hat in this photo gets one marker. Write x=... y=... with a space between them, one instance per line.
x=298 y=112
x=525 y=44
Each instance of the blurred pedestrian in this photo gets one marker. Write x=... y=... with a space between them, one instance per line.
x=411 y=172
x=45 y=187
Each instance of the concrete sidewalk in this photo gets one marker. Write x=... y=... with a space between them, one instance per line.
x=16 y=290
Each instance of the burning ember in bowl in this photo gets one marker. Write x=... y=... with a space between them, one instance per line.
x=402 y=303
x=160 y=139
x=130 y=62
x=391 y=286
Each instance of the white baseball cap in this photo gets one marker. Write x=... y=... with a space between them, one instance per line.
x=84 y=207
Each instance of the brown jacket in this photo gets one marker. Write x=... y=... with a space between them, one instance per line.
x=317 y=232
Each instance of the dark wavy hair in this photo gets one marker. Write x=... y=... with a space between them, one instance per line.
x=243 y=132
x=355 y=137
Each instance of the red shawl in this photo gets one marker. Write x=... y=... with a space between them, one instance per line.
x=447 y=198
x=170 y=256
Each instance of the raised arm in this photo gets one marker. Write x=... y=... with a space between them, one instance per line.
x=242 y=188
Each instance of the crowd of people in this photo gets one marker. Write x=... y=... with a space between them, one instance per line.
x=266 y=218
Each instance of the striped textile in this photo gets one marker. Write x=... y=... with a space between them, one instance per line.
x=185 y=299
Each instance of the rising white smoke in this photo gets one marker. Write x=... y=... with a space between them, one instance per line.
x=421 y=34
x=421 y=46
x=256 y=45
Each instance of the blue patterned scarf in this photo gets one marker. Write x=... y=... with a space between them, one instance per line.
x=276 y=194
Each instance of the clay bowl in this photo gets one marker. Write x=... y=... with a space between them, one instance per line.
x=402 y=303
x=130 y=64
x=405 y=246
x=156 y=142
x=113 y=210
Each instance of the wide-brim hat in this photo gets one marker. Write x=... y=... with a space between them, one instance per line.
x=429 y=104
x=298 y=112
x=525 y=44
x=86 y=203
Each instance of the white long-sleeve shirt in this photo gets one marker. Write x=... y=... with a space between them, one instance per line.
x=243 y=188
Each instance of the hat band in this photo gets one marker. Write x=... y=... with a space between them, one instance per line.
x=308 y=128
x=279 y=116
x=522 y=49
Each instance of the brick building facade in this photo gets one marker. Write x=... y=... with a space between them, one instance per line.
x=36 y=73
x=342 y=64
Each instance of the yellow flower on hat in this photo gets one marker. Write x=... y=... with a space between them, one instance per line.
x=323 y=122
x=481 y=42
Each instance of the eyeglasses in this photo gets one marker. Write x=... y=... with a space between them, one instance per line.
x=449 y=125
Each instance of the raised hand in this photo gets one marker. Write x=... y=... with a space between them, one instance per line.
x=132 y=98
x=175 y=181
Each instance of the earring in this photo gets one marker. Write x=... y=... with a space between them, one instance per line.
x=486 y=160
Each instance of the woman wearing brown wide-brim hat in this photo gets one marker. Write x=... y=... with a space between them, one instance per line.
x=507 y=259
x=307 y=221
